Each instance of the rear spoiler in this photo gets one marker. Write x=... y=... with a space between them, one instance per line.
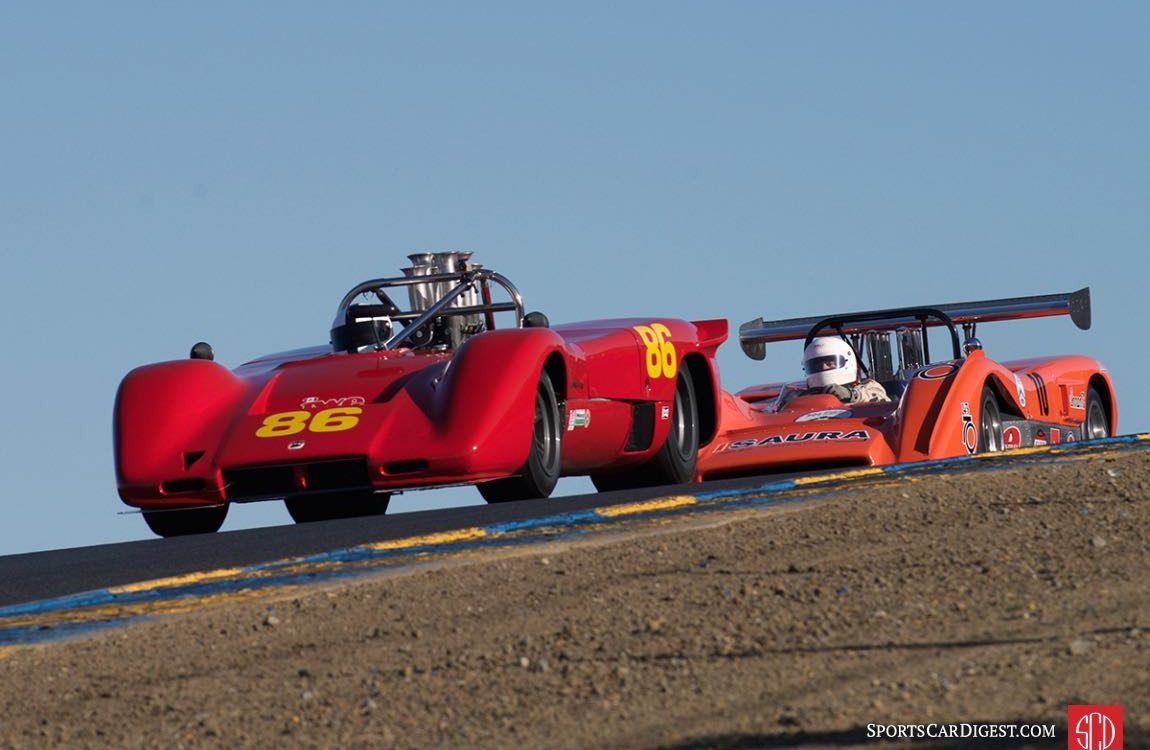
x=755 y=334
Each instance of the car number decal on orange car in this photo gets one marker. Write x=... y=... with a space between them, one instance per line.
x=662 y=360
x=284 y=423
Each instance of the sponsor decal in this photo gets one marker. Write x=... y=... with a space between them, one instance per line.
x=578 y=418
x=314 y=402
x=295 y=446
x=1040 y=437
x=1094 y=727
x=1011 y=438
x=1069 y=437
x=1055 y=435
x=1079 y=401
x=969 y=433
x=938 y=372
x=1040 y=390
x=815 y=416
x=665 y=413
x=795 y=437
x=1020 y=391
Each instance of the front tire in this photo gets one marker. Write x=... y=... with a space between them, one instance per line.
x=989 y=423
x=1097 y=424
x=186 y=521
x=333 y=505
x=539 y=475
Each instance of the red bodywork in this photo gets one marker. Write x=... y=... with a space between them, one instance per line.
x=192 y=432
x=933 y=413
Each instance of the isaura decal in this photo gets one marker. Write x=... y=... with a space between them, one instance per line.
x=794 y=437
x=969 y=434
x=815 y=416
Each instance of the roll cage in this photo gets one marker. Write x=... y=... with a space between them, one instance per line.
x=445 y=309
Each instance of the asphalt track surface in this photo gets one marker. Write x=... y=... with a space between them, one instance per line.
x=42 y=575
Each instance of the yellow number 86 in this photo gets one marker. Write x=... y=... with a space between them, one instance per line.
x=290 y=422
x=662 y=361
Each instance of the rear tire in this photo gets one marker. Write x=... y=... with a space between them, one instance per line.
x=539 y=475
x=185 y=521
x=676 y=459
x=1097 y=424
x=989 y=422
x=332 y=505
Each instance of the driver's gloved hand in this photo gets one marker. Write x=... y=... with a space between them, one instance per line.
x=841 y=392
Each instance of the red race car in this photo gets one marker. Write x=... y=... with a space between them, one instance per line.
x=430 y=395
x=958 y=404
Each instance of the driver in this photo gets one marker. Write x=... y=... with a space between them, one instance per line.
x=832 y=367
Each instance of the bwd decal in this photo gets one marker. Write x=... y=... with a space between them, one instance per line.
x=1040 y=437
x=969 y=433
x=312 y=402
x=794 y=437
x=815 y=416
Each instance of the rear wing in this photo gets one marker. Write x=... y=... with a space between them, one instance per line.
x=755 y=334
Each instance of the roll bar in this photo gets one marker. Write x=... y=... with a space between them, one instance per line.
x=415 y=319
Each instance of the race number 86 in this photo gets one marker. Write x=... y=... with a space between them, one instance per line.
x=286 y=423
x=662 y=362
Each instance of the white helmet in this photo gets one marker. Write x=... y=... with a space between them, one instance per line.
x=829 y=360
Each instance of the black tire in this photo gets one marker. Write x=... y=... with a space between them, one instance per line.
x=989 y=422
x=676 y=459
x=538 y=476
x=1097 y=424
x=329 y=506
x=184 y=521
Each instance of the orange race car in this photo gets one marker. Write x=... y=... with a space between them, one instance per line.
x=956 y=404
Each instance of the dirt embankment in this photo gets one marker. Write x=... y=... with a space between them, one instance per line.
x=998 y=597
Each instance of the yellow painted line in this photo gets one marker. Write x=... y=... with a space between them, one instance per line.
x=662 y=503
x=207 y=575
x=446 y=537
x=840 y=475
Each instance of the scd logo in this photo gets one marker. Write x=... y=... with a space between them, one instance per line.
x=1094 y=728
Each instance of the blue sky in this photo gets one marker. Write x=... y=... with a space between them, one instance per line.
x=225 y=172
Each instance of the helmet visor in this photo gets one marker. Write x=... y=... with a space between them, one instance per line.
x=816 y=365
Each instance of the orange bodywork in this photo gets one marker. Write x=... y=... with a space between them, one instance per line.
x=934 y=413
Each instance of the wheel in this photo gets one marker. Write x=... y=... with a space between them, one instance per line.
x=184 y=521
x=538 y=476
x=675 y=461
x=331 y=505
x=1097 y=424
x=989 y=423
